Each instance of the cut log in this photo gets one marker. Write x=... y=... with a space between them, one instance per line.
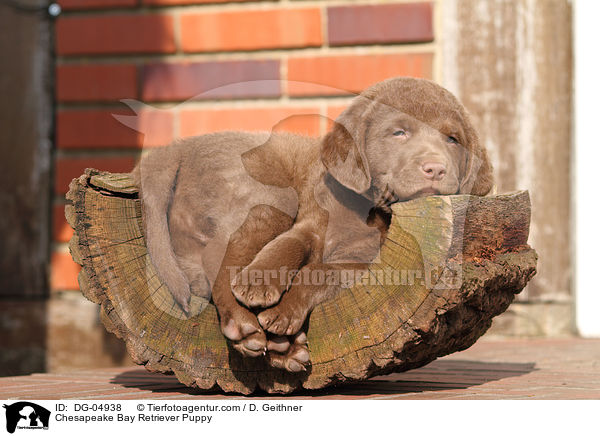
x=448 y=266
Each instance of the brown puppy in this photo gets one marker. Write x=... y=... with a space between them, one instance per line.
x=222 y=210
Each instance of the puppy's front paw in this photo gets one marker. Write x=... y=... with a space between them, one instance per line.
x=297 y=357
x=253 y=289
x=244 y=331
x=284 y=319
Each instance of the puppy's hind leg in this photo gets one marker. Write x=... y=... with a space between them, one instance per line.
x=156 y=176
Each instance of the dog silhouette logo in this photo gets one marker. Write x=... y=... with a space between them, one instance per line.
x=26 y=415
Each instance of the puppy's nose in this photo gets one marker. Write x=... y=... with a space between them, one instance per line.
x=434 y=170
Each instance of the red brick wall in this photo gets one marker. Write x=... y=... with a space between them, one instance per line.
x=165 y=52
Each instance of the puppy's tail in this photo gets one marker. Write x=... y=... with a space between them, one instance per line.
x=156 y=176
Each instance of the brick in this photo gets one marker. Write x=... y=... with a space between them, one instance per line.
x=297 y=120
x=251 y=30
x=377 y=24
x=338 y=75
x=100 y=129
x=63 y=273
x=207 y=80
x=95 y=4
x=75 y=83
x=68 y=168
x=332 y=113
x=115 y=34
x=188 y=2
x=61 y=230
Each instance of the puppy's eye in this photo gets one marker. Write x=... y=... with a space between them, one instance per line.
x=400 y=132
x=452 y=140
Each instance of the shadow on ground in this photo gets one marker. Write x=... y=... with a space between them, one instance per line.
x=441 y=375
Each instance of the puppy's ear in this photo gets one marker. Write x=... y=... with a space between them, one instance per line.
x=478 y=177
x=343 y=149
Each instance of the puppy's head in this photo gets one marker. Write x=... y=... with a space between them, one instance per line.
x=406 y=138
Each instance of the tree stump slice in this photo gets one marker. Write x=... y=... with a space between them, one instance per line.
x=448 y=266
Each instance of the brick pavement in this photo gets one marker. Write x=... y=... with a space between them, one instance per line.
x=509 y=369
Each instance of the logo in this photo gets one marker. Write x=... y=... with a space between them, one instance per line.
x=26 y=415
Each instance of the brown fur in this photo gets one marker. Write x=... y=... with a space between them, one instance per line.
x=284 y=202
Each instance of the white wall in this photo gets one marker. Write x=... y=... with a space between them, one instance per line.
x=586 y=166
